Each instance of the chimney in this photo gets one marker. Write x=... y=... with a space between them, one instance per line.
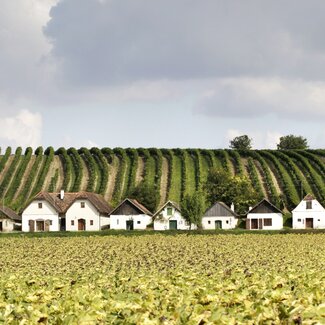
x=62 y=194
x=232 y=207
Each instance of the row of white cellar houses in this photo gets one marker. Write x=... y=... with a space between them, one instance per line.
x=84 y=211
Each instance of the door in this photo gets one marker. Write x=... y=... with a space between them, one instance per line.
x=309 y=222
x=173 y=224
x=47 y=225
x=129 y=225
x=1 y=226
x=31 y=225
x=39 y=225
x=81 y=224
x=218 y=224
x=254 y=224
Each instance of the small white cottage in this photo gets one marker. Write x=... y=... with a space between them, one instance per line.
x=220 y=216
x=309 y=213
x=66 y=211
x=264 y=215
x=169 y=217
x=9 y=220
x=130 y=215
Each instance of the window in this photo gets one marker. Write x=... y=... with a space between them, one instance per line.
x=209 y=222
x=268 y=222
x=299 y=220
x=50 y=222
x=82 y=204
x=40 y=205
x=169 y=211
x=227 y=221
x=72 y=222
x=138 y=222
x=308 y=204
x=117 y=221
x=91 y=222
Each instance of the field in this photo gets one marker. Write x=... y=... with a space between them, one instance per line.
x=159 y=279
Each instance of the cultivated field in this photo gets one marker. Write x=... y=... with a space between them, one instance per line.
x=157 y=279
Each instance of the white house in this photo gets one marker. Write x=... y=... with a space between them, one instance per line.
x=219 y=216
x=264 y=215
x=309 y=213
x=129 y=215
x=65 y=211
x=9 y=220
x=169 y=217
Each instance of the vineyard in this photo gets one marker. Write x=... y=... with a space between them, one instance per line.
x=157 y=279
x=283 y=177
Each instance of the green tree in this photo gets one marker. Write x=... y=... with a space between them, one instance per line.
x=147 y=195
x=242 y=142
x=221 y=186
x=291 y=141
x=193 y=206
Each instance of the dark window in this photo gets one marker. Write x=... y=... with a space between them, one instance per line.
x=169 y=211
x=209 y=222
x=227 y=221
x=91 y=222
x=268 y=222
x=50 y=222
x=138 y=222
x=40 y=205
x=72 y=222
x=299 y=220
x=308 y=204
x=82 y=204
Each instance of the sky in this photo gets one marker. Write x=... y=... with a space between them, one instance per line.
x=163 y=73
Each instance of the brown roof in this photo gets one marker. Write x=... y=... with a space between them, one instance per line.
x=267 y=203
x=174 y=204
x=219 y=209
x=9 y=213
x=309 y=197
x=137 y=204
x=61 y=206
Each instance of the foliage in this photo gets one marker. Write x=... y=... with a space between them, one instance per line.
x=220 y=186
x=242 y=142
x=78 y=168
x=291 y=141
x=101 y=169
x=193 y=207
x=67 y=167
x=92 y=170
x=5 y=158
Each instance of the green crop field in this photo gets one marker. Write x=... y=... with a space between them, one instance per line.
x=277 y=175
x=159 y=279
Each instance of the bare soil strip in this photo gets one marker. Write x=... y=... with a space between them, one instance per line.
x=164 y=181
x=140 y=171
x=85 y=176
x=113 y=168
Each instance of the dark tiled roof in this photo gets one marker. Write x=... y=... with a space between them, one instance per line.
x=267 y=203
x=135 y=203
x=61 y=206
x=9 y=213
x=220 y=209
x=174 y=204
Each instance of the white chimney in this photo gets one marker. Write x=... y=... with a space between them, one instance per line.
x=62 y=194
x=232 y=207
x=250 y=208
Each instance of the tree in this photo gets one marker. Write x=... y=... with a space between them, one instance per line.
x=242 y=142
x=146 y=195
x=221 y=186
x=193 y=207
x=292 y=142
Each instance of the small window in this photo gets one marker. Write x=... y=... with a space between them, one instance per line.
x=268 y=222
x=40 y=205
x=308 y=204
x=91 y=222
x=117 y=221
x=82 y=204
x=51 y=222
x=227 y=221
x=169 y=211
x=209 y=222
x=318 y=220
x=299 y=220
x=72 y=222
x=138 y=222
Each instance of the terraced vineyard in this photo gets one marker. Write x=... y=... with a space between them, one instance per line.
x=281 y=176
x=159 y=279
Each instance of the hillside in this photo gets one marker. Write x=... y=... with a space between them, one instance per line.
x=277 y=175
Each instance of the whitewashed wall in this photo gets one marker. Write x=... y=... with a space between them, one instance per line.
x=7 y=224
x=33 y=212
x=277 y=220
x=162 y=220
x=88 y=213
x=227 y=222
x=140 y=221
x=301 y=213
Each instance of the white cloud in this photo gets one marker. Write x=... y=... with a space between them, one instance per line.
x=24 y=129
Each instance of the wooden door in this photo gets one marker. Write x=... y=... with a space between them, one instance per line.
x=31 y=225
x=39 y=225
x=309 y=222
x=254 y=223
x=218 y=224
x=260 y=223
x=173 y=224
x=47 y=225
x=81 y=224
x=1 y=226
x=129 y=225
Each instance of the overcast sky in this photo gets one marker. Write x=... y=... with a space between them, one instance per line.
x=163 y=73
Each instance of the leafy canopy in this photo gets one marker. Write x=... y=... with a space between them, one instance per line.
x=221 y=186
x=292 y=142
x=242 y=142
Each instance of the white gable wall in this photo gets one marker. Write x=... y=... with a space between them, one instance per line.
x=277 y=220
x=93 y=220
x=227 y=222
x=33 y=212
x=140 y=221
x=7 y=224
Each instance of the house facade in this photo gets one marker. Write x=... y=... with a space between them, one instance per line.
x=130 y=215
x=65 y=211
x=219 y=216
x=9 y=220
x=309 y=213
x=169 y=217
x=264 y=216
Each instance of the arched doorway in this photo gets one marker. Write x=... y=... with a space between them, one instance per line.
x=81 y=224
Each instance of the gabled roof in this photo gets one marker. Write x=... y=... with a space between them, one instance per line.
x=9 y=213
x=220 y=209
x=172 y=203
x=265 y=203
x=62 y=206
x=309 y=197
x=136 y=204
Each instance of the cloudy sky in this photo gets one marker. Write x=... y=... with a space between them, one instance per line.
x=161 y=73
